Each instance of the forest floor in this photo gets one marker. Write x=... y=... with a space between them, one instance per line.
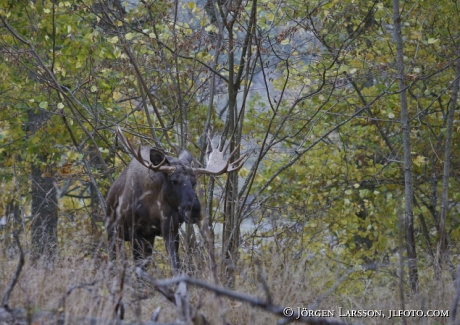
x=79 y=285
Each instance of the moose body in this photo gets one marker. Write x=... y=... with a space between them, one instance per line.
x=143 y=204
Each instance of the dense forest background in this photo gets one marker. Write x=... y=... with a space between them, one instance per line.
x=347 y=111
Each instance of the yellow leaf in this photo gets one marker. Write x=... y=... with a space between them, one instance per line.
x=211 y=28
x=113 y=40
x=417 y=35
x=420 y=160
x=116 y=95
x=66 y=169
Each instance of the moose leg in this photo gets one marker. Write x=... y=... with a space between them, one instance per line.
x=172 y=246
x=142 y=249
x=171 y=238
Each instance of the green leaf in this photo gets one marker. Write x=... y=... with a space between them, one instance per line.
x=113 y=40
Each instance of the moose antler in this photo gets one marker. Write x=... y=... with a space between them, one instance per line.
x=217 y=165
x=137 y=155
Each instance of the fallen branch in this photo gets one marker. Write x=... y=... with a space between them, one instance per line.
x=253 y=301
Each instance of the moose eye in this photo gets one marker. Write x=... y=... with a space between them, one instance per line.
x=174 y=182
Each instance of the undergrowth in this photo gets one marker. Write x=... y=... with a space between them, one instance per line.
x=84 y=285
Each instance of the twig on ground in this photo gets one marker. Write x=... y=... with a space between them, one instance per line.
x=10 y=288
x=182 y=303
x=156 y=314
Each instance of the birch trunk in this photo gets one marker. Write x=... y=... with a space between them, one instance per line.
x=408 y=183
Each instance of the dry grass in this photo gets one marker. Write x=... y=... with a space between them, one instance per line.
x=296 y=283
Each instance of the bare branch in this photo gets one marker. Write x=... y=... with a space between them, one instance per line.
x=10 y=288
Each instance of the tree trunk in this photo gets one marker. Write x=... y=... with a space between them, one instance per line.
x=13 y=223
x=233 y=128
x=230 y=234
x=408 y=185
x=44 y=198
x=443 y=249
x=95 y=209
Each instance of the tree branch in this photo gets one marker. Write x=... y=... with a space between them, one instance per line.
x=10 y=288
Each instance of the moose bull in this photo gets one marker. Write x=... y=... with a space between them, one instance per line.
x=153 y=196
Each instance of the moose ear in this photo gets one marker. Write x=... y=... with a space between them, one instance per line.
x=186 y=157
x=156 y=157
